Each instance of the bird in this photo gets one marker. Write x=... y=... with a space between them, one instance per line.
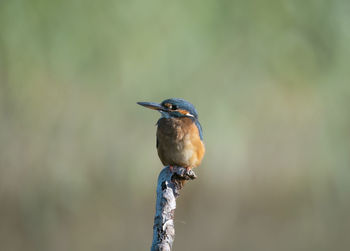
x=179 y=137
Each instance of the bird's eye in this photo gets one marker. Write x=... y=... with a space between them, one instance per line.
x=173 y=107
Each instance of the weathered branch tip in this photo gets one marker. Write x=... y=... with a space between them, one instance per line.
x=168 y=189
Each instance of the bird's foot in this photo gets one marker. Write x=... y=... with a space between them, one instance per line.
x=189 y=174
x=183 y=173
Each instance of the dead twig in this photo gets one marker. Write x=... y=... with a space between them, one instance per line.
x=168 y=189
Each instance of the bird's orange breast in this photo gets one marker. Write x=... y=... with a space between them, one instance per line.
x=179 y=143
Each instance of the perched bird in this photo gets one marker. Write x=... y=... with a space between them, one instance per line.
x=179 y=133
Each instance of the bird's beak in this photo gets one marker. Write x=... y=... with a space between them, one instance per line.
x=152 y=105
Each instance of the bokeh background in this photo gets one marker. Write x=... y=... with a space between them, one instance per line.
x=270 y=79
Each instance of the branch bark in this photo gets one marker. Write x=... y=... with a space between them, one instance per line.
x=170 y=182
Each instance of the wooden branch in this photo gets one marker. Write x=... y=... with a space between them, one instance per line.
x=168 y=189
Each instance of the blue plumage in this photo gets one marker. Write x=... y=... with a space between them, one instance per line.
x=181 y=104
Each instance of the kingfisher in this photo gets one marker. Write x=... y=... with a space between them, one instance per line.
x=179 y=133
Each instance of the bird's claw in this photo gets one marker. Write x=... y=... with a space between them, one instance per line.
x=183 y=173
x=190 y=174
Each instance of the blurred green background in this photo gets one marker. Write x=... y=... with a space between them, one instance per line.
x=270 y=79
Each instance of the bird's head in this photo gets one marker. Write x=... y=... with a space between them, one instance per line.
x=173 y=108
